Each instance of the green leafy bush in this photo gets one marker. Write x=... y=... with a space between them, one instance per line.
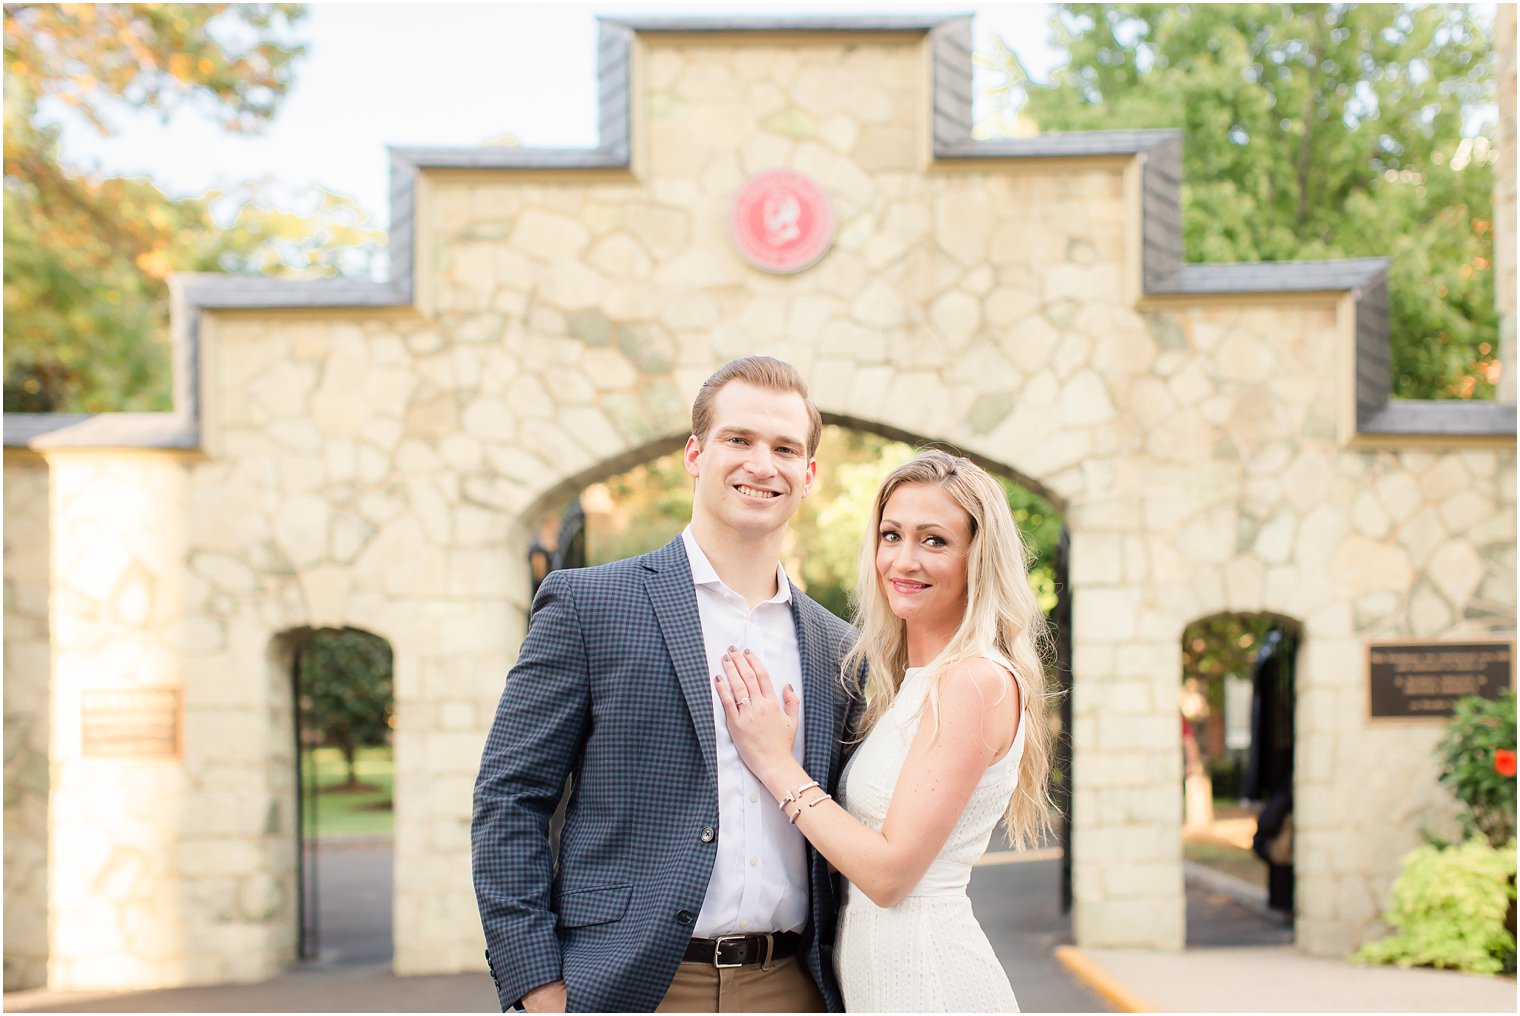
x=1449 y=910
x=1477 y=756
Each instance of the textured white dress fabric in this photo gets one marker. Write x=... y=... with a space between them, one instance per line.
x=928 y=953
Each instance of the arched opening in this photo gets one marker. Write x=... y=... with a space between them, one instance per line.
x=342 y=689
x=1237 y=699
x=634 y=508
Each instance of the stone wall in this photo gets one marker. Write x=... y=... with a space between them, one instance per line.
x=374 y=469
x=383 y=469
x=28 y=669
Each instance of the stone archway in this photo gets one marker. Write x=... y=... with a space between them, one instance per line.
x=546 y=510
x=1238 y=701
x=334 y=674
x=562 y=490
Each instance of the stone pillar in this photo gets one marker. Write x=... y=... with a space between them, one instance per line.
x=172 y=868
x=28 y=674
x=1504 y=198
x=1126 y=747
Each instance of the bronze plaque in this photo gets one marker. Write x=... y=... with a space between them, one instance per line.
x=131 y=722
x=1420 y=680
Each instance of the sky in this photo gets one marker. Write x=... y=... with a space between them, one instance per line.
x=437 y=74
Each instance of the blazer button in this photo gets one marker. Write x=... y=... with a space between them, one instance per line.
x=684 y=917
x=708 y=834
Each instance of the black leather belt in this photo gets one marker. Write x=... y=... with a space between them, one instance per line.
x=743 y=950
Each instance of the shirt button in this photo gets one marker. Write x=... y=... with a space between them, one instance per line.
x=684 y=917
x=707 y=834
x=753 y=797
x=744 y=924
x=753 y=861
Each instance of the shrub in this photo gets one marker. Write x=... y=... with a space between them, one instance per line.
x=1449 y=909
x=1477 y=757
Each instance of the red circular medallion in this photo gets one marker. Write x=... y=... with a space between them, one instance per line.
x=781 y=221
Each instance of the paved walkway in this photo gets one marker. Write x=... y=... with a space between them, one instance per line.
x=1018 y=904
x=1239 y=960
x=1278 y=979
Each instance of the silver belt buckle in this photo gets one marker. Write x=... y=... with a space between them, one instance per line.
x=718 y=951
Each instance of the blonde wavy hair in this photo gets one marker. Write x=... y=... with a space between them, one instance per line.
x=1001 y=615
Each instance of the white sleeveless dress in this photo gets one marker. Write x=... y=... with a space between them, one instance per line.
x=928 y=953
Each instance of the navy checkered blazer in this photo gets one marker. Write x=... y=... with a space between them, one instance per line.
x=612 y=688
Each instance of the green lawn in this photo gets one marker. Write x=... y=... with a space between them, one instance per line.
x=344 y=813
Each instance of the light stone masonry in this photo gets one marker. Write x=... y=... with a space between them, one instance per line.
x=28 y=709
x=1504 y=198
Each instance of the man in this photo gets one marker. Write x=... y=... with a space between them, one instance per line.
x=680 y=884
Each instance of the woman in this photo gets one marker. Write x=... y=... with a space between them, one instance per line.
x=955 y=738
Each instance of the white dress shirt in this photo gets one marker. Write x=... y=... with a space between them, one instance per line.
x=759 y=880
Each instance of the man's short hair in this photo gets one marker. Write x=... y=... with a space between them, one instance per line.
x=763 y=372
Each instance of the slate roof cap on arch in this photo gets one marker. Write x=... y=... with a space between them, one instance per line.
x=1272 y=277
x=1163 y=267
x=676 y=23
x=1060 y=145
x=160 y=431
x=1438 y=418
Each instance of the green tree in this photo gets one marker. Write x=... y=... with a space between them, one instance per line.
x=1041 y=527
x=1225 y=645
x=1312 y=131
x=87 y=259
x=344 y=678
x=636 y=511
x=823 y=545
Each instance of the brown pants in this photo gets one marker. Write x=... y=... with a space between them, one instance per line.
x=702 y=987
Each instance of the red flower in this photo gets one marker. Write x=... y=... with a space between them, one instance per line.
x=1504 y=762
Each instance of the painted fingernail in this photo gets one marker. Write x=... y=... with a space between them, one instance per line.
x=746 y=651
x=733 y=649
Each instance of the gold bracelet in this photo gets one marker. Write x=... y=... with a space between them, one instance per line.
x=795 y=794
x=815 y=802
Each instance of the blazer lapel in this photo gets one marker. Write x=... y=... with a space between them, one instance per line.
x=820 y=740
x=674 y=599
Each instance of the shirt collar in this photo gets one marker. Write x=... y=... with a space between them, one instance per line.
x=704 y=574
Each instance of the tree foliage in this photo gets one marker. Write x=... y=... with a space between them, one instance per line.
x=344 y=680
x=1312 y=131
x=87 y=258
x=1225 y=645
x=226 y=56
x=823 y=544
